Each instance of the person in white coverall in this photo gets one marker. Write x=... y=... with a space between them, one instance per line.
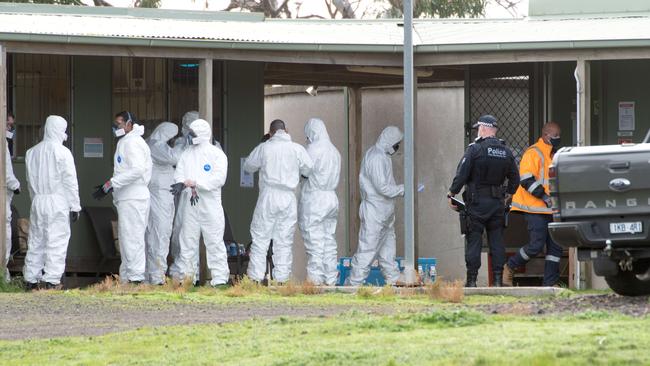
x=319 y=205
x=53 y=187
x=377 y=210
x=180 y=145
x=13 y=187
x=200 y=174
x=131 y=176
x=281 y=162
x=161 y=212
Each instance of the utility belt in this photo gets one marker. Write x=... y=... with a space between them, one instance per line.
x=489 y=191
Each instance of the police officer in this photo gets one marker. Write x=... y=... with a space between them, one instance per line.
x=487 y=163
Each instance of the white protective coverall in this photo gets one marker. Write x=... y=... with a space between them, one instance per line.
x=319 y=205
x=281 y=162
x=161 y=212
x=131 y=176
x=377 y=210
x=180 y=145
x=12 y=185
x=207 y=166
x=53 y=187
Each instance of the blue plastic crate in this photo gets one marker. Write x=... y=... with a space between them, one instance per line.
x=426 y=267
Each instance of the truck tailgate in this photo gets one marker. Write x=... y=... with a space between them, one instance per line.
x=609 y=180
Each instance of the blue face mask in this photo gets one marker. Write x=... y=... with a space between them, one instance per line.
x=192 y=138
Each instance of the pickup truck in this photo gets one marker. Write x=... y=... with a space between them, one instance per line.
x=601 y=205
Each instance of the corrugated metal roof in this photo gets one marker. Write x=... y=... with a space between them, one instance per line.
x=363 y=33
x=203 y=29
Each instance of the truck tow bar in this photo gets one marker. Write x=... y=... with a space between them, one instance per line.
x=608 y=248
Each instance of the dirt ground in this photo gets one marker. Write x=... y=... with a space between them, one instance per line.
x=632 y=306
x=47 y=314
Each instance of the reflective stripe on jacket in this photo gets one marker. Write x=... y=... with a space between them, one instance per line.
x=534 y=163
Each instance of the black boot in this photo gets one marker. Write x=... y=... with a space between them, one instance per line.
x=471 y=279
x=497 y=280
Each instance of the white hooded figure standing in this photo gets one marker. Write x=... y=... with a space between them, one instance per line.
x=202 y=171
x=13 y=187
x=161 y=212
x=281 y=162
x=319 y=205
x=377 y=210
x=131 y=176
x=53 y=187
x=180 y=145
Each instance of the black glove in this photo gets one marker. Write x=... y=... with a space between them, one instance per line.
x=177 y=188
x=102 y=190
x=195 y=198
x=547 y=201
x=17 y=191
x=74 y=216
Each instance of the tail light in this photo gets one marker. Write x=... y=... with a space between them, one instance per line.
x=552 y=179
x=553 y=191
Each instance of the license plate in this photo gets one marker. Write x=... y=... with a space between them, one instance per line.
x=625 y=227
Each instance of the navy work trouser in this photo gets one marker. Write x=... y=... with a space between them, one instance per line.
x=539 y=237
x=486 y=214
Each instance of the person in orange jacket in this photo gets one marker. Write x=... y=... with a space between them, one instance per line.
x=533 y=201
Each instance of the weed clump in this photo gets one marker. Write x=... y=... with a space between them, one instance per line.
x=289 y=288
x=14 y=285
x=310 y=288
x=245 y=287
x=447 y=291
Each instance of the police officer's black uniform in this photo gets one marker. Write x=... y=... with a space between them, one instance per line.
x=483 y=170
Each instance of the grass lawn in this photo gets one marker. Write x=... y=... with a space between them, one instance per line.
x=429 y=332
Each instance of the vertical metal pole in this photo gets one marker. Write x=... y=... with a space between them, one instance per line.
x=348 y=193
x=3 y=161
x=409 y=150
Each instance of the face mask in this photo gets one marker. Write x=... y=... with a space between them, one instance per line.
x=556 y=142
x=118 y=132
x=65 y=137
x=395 y=148
x=192 y=138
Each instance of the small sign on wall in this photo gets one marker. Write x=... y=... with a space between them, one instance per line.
x=246 y=179
x=626 y=118
x=93 y=147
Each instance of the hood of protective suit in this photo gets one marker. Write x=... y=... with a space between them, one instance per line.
x=55 y=127
x=315 y=130
x=164 y=132
x=202 y=130
x=188 y=118
x=280 y=135
x=138 y=130
x=389 y=137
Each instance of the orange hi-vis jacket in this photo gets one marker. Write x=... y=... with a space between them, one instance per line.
x=534 y=164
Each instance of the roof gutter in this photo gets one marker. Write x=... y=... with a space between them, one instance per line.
x=197 y=43
x=530 y=46
x=304 y=47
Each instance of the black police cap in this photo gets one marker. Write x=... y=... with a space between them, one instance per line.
x=487 y=121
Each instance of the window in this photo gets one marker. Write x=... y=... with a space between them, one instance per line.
x=39 y=86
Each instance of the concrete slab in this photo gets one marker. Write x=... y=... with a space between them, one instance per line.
x=488 y=291
x=514 y=291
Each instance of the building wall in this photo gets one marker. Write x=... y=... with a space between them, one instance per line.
x=439 y=147
x=243 y=124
